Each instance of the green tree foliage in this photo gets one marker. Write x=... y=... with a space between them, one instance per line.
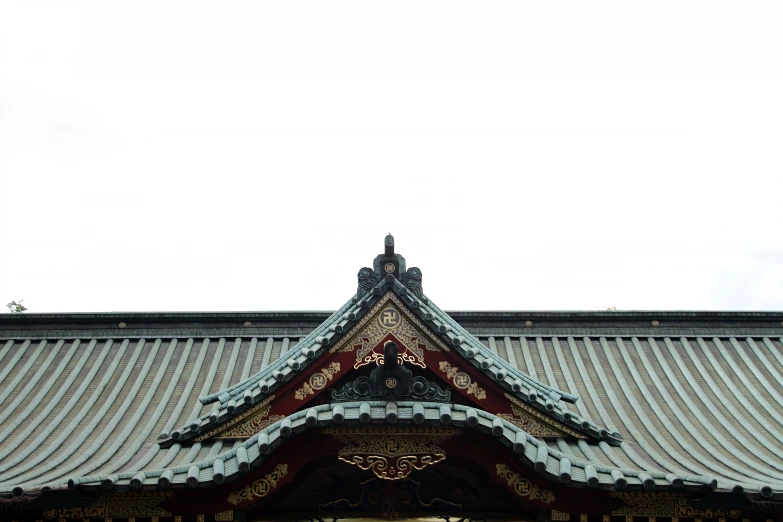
x=16 y=308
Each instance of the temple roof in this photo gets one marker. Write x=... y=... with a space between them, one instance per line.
x=696 y=395
x=655 y=400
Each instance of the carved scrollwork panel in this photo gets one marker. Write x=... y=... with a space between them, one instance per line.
x=261 y=487
x=392 y=453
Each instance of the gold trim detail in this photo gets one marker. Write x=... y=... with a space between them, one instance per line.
x=119 y=505
x=523 y=487
x=200 y=518
x=665 y=505
x=392 y=453
x=367 y=329
x=560 y=515
x=462 y=380
x=224 y=516
x=535 y=422
x=233 y=428
x=389 y=320
x=583 y=518
x=259 y=488
x=317 y=381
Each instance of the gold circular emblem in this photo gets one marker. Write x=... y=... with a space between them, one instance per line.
x=122 y=325
x=389 y=267
x=391 y=445
x=247 y=324
x=318 y=381
x=656 y=323
x=391 y=382
x=261 y=488
x=462 y=380
x=389 y=318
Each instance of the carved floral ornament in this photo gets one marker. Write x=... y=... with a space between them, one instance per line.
x=261 y=487
x=523 y=487
x=535 y=422
x=392 y=453
x=462 y=380
x=245 y=425
x=317 y=381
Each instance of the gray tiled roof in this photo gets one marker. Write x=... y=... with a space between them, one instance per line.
x=692 y=400
x=564 y=465
x=253 y=389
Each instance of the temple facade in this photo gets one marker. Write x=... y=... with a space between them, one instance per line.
x=390 y=408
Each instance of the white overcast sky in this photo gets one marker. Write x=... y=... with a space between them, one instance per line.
x=525 y=155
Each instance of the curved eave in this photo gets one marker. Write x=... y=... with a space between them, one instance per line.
x=530 y=451
x=243 y=395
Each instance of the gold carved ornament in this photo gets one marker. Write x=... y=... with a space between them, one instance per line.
x=523 y=487
x=384 y=318
x=246 y=424
x=462 y=380
x=224 y=516
x=317 y=381
x=536 y=423
x=392 y=453
x=261 y=487
x=665 y=505
x=120 y=505
x=560 y=516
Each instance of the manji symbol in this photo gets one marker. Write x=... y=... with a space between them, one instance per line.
x=261 y=488
x=318 y=381
x=462 y=380
x=389 y=318
x=391 y=445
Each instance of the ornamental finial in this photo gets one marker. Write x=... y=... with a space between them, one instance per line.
x=389 y=245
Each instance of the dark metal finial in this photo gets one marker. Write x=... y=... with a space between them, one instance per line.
x=390 y=356
x=389 y=245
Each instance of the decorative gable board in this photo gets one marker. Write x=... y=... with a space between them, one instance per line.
x=389 y=319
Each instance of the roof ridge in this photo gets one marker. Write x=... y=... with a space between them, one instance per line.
x=371 y=287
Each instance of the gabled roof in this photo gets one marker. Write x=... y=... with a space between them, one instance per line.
x=67 y=402
x=243 y=395
x=694 y=394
